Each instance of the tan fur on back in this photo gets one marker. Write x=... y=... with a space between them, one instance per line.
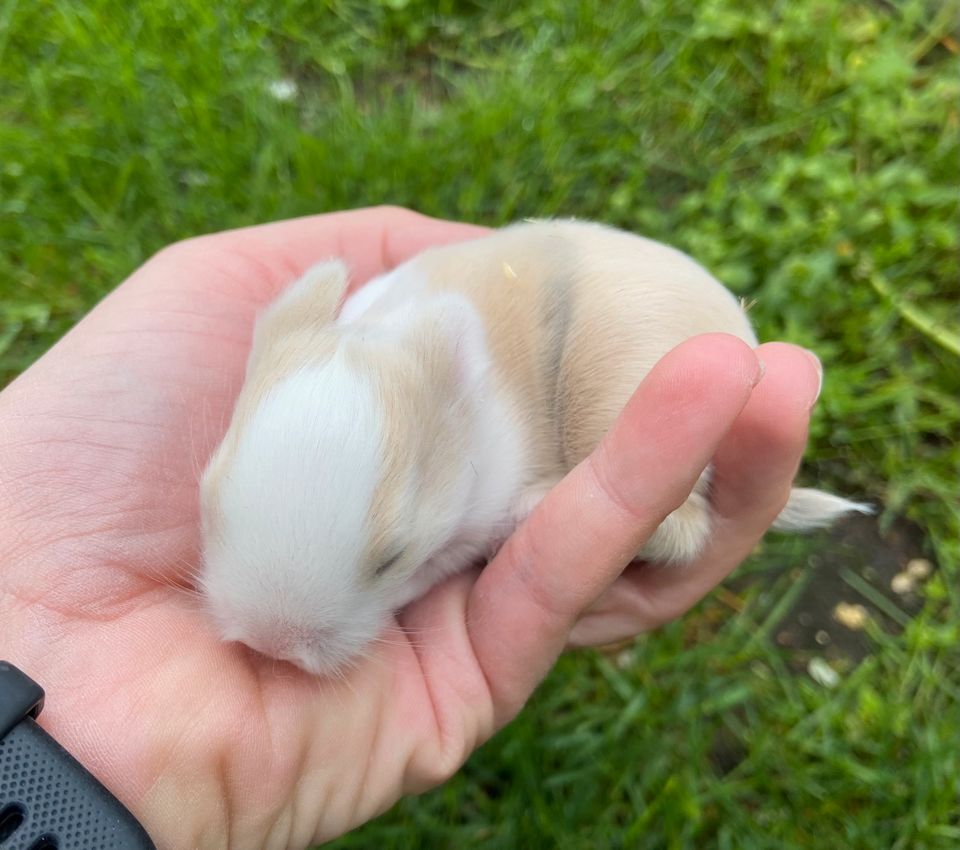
x=577 y=314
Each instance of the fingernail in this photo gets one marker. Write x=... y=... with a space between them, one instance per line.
x=819 y=367
x=760 y=372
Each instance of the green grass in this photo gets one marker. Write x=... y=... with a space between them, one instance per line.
x=805 y=151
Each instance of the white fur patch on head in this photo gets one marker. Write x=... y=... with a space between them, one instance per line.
x=281 y=574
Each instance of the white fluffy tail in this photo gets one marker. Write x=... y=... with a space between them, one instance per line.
x=808 y=508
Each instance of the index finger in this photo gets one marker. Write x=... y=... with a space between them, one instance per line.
x=590 y=526
x=754 y=468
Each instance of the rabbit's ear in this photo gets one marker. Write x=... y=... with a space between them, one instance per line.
x=451 y=341
x=309 y=303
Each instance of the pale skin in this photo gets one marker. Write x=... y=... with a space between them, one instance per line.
x=210 y=745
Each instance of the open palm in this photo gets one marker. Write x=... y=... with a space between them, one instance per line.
x=101 y=446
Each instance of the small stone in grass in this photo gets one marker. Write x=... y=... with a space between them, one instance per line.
x=854 y=617
x=902 y=583
x=919 y=568
x=822 y=673
x=283 y=90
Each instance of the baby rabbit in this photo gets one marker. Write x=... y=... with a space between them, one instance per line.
x=371 y=454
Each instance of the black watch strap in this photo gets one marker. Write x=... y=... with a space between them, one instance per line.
x=48 y=801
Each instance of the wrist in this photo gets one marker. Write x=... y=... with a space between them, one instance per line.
x=82 y=814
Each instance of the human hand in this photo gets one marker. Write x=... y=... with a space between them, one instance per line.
x=210 y=745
